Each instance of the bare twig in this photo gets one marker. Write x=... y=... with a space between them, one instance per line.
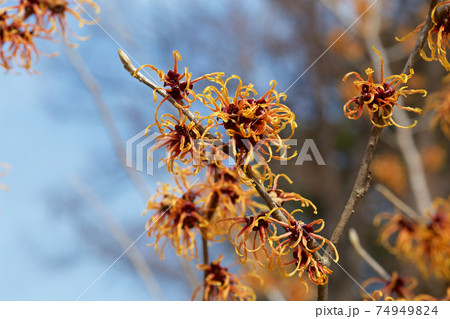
x=360 y=187
x=120 y=235
x=354 y=239
x=362 y=182
x=397 y=202
x=209 y=214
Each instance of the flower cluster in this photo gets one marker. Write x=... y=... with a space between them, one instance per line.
x=185 y=210
x=21 y=24
x=294 y=247
x=222 y=203
x=231 y=198
x=424 y=242
x=438 y=35
x=379 y=98
x=221 y=285
x=253 y=124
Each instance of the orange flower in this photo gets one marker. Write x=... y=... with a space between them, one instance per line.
x=432 y=249
x=259 y=228
x=179 y=84
x=16 y=42
x=400 y=229
x=302 y=239
x=438 y=36
x=222 y=285
x=389 y=170
x=424 y=241
x=179 y=140
x=253 y=125
x=424 y=297
x=21 y=24
x=398 y=287
x=178 y=218
x=232 y=197
x=379 y=98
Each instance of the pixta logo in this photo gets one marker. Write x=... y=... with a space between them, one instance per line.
x=139 y=146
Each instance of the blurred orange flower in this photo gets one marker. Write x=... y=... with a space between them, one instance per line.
x=438 y=36
x=28 y=20
x=398 y=287
x=434 y=158
x=389 y=170
x=178 y=218
x=424 y=240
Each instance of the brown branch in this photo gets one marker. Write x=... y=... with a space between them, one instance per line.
x=362 y=182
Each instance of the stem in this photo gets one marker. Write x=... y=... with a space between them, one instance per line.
x=397 y=202
x=362 y=182
x=354 y=239
x=209 y=214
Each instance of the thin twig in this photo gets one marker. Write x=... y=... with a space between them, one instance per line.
x=120 y=235
x=360 y=187
x=362 y=182
x=397 y=202
x=354 y=239
x=209 y=214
